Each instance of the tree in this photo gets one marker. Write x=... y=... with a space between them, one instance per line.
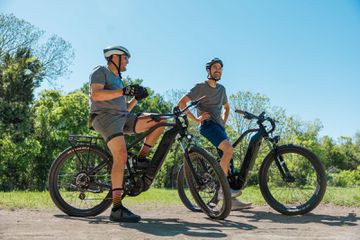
x=26 y=59
x=20 y=74
x=254 y=103
x=174 y=95
x=54 y=53
x=357 y=139
x=350 y=152
x=57 y=116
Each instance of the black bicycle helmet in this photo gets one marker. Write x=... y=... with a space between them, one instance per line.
x=209 y=64
x=213 y=61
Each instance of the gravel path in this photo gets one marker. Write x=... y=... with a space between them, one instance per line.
x=325 y=222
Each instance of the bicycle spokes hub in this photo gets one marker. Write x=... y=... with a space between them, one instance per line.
x=82 y=180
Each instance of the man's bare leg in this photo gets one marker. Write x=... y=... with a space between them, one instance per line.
x=144 y=123
x=227 y=150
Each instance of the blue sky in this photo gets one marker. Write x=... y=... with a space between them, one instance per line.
x=303 y=55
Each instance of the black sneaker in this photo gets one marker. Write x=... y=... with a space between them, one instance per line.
x=123 y=214
x=142 y=163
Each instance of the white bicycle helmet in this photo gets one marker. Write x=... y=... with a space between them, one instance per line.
x=115 y=50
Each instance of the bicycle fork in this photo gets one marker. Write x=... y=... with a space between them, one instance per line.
x=185 y=148
x=281 y=165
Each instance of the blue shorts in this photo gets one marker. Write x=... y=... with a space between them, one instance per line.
x=214 y=132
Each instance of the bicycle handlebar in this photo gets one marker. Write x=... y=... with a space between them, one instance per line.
x=261 y=118
x=176 y=111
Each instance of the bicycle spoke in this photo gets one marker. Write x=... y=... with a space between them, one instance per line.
x=297 y=189
x=207 y=191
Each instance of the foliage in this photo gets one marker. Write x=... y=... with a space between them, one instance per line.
x=34 y=132
x=57 y=116
x=54 y=53
x=16 y=166
x=26 y=59
x=20 y=74
x=345 y=178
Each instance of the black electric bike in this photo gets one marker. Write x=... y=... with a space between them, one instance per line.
x=292 y=179
x=80 y=179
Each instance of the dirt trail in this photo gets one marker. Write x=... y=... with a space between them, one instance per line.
x=325 y=222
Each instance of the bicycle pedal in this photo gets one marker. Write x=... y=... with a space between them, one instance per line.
x=212 y=205
x=94 y=190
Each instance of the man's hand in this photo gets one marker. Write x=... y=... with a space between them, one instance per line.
x=133 y=90
x=204 y=116
x=143 y=95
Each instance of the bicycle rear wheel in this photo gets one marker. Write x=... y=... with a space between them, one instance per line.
x=184 y=192
x=80 y=181
x=212 y=191
x=304 y=187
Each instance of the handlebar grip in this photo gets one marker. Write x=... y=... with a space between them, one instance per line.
x=246 y=114
x=240 y=111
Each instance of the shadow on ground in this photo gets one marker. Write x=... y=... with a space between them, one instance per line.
x=172 y=226
x=349 y=219
x=240 y=220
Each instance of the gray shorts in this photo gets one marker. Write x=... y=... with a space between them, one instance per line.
x=111 y=125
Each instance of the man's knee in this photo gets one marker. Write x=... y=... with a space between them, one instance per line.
x=118 y=150
x=154 y=123
x=161 y=129
x=227 y=148
x=144 y=123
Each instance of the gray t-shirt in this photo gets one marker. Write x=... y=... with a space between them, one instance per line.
x=214 y=101
x=103 y=75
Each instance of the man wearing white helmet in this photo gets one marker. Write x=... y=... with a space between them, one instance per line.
x=212 y=123
x=109 y=115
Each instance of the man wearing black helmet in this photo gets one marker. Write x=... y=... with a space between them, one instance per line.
x=210 y=117
x=109 y=115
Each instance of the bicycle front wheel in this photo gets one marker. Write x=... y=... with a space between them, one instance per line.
x=302 y=186
x=184 y=192
x=208 y=184
x=80 y=181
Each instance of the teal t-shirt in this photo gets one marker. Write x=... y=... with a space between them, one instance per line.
x=103 y=75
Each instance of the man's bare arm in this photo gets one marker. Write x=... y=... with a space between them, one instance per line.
x=131 y=104
x=182 y=104
x=226 y=112
x=98 y=93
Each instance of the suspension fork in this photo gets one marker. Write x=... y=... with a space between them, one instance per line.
x=281 y=165
x=185 y=148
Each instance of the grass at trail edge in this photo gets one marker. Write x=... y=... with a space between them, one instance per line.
x=168 y=197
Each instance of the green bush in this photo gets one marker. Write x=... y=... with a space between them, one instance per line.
x=345 y=178
x=16 y=165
